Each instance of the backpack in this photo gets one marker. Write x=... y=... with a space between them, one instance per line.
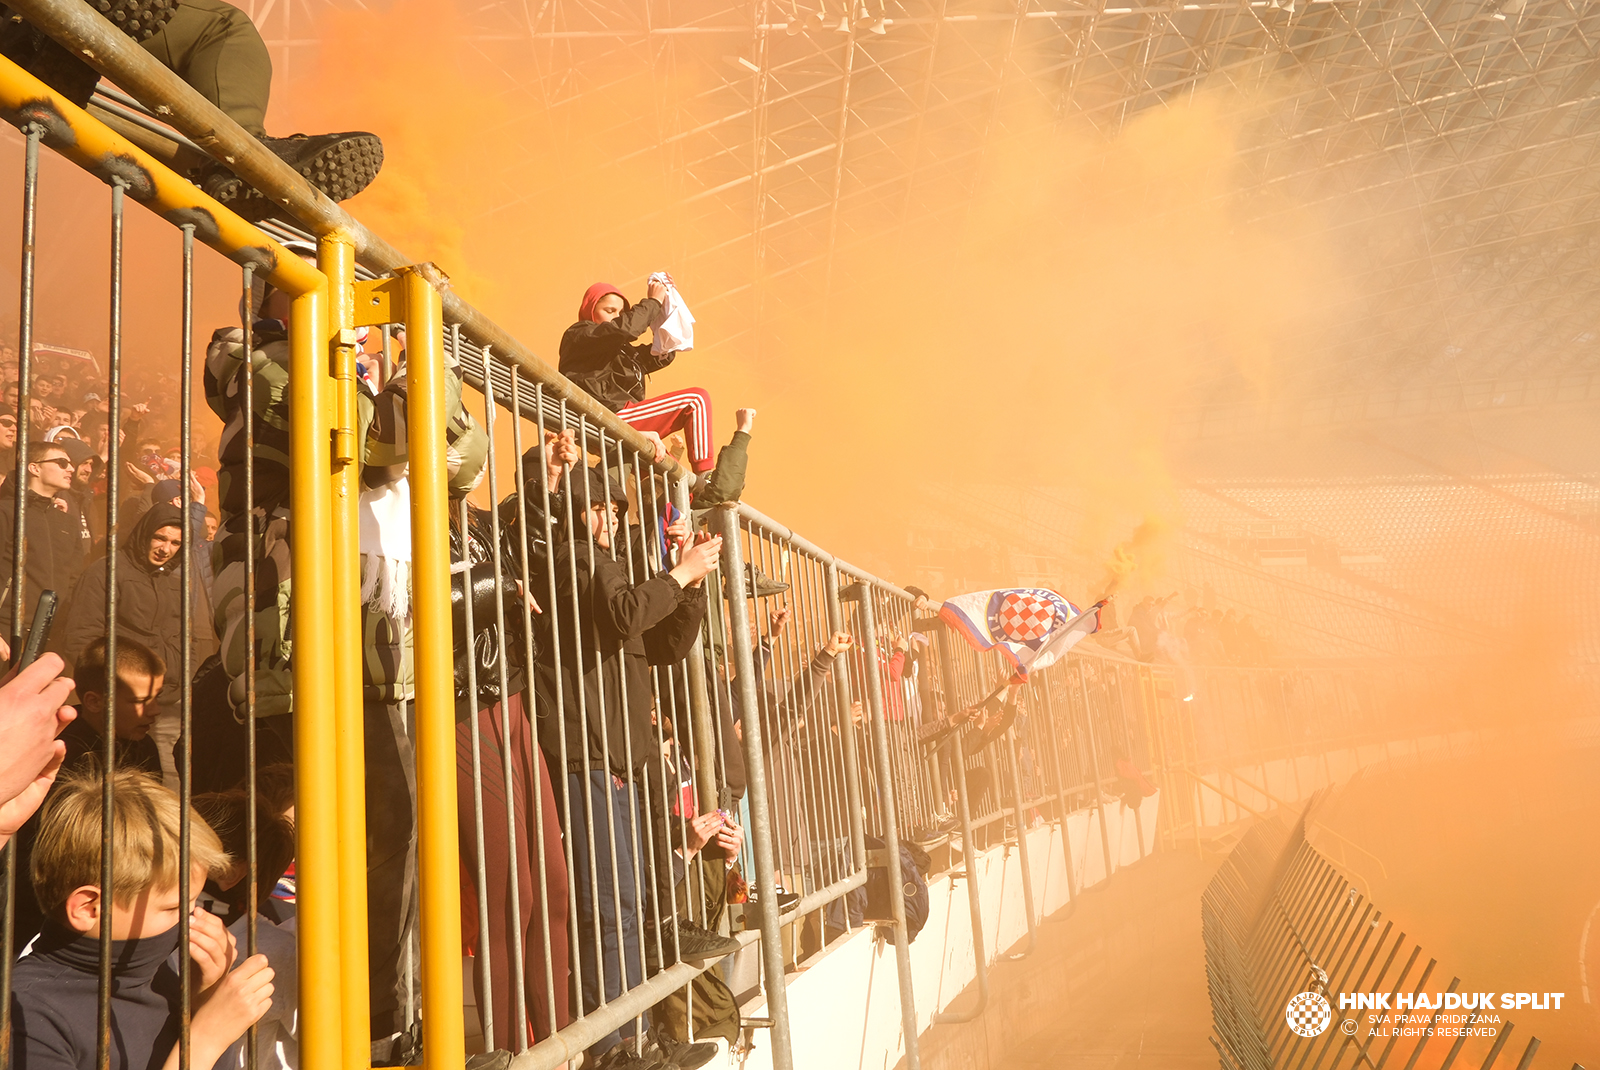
x=914 y=864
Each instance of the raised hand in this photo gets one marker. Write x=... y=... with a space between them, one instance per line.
x=697 y=561
x=33 y=712
x=234 y=1005
x=211 y=946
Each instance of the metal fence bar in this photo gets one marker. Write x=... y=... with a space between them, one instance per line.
x=968 y=848
x=336 y=260
x=438 y=864
x=726 y=521
x=19 y=486
x=891 y=833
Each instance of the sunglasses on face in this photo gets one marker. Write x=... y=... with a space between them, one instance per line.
x=62 y=461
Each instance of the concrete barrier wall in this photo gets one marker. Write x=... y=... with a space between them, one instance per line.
x=844 y=1005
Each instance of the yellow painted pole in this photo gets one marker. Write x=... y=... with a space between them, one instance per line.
x=316 y=796
x=438 y=853
x=336 y=259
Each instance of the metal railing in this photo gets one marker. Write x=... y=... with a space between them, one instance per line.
x=1280 y=920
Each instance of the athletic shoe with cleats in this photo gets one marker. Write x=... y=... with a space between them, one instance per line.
x=340 y=165
x=139 y=19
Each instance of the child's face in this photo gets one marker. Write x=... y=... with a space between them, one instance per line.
x=151 y=913
x=603 y=522
x=609 y=308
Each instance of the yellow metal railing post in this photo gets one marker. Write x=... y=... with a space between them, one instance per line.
x=336 y=259
x=316 y=794
x=438 y=853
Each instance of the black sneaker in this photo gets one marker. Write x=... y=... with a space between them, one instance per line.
x=340 y=165
x=623 y=1057
x=756 y=584
x=56 y=66
x=698 y=945
x=787 y=901
x=139 y=19
x=681 y=1055
x=400 y=1049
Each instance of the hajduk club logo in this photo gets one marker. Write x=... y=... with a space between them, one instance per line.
x=1308 y=1014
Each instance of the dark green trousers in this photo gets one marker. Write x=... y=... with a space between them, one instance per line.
x=216 y=49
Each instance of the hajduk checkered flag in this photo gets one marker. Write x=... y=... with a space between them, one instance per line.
x=1032 y=626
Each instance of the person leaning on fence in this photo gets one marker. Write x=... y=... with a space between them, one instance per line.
x=55 y=986
x=387 y=676
x=610 y=631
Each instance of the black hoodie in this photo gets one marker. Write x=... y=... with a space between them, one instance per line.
x=149 y=601
x=625 y=627
x=604 y=360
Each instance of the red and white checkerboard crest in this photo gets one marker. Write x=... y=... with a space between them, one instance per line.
x=1025 y=617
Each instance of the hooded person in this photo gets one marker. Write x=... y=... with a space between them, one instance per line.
x=149 y=609
x=599 y=353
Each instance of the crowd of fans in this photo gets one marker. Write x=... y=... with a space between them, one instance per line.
x=597 y=867
x=610 y=759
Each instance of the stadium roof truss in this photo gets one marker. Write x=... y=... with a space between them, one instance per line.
x=1453 y=141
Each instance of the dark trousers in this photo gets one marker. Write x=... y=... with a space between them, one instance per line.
x=538 y=834
x=217 y=49
x=608 y=907
x=391 y=796
x=391 y=865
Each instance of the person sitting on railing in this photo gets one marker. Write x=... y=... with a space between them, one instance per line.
x=54 y=994
x=599 y=354
x=602 y=739
x=217 y=50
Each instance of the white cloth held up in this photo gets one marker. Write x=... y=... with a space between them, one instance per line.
x=674 y=324
x=385 y=528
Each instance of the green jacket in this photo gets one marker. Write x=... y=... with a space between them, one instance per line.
x=381 y=433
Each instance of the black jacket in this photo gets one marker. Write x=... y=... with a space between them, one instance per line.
x=54 y=997
x=55 y=553
x=149 y=603
x=603 y=359
x=625 y=628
